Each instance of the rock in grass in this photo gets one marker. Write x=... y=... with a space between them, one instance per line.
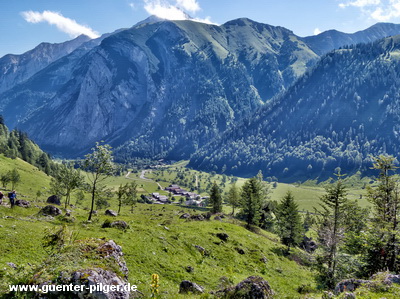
x=349 y=285
x=111 y=213
x=185 y=216
x=188 y=287
x=120 y=224
x=252 y=287
x=22 y=203
x=223 y=236
x=12 y=265
x=50 y=210
x=54 y=199
x=197 y=217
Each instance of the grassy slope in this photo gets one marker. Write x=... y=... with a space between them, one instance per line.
x=159 y=242
x=32 y=179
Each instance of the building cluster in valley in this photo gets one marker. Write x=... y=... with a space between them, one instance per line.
x=192 y=199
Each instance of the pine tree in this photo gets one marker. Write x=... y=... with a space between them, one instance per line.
x=331 y=229
x=383 y=241
x=233 y=197
x=289 y=223
x=215 y=199
x=251 y=201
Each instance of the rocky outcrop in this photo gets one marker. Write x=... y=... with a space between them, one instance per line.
x=253 y=287
x=50 y=210
x=109 y=281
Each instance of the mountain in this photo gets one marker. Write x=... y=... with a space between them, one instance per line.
x=166 y=87
x=337 y=115
x=333 y=39
x=15 y=69
x=161 y=88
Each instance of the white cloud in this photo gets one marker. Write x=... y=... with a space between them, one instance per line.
x=384 y=14
x=317 y=31
x=132 y=5
x=378 y=10
x=360 y=3
x=66 y=25
x=188 y=5
x=165 y=10
x=177 y=11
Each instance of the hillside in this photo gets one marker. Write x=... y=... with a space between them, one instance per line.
x=337 y=115
x=164 y=244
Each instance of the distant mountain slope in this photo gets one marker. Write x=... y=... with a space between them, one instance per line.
x=337 y=115
x=333 y=39
x=160 y=89
x=15 y=69
x=166 y=87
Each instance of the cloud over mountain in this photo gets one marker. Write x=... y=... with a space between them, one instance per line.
x=66 y=25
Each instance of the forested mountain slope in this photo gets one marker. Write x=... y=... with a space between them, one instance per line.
x=337 y=115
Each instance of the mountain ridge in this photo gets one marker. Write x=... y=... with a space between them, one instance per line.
x=161 y=89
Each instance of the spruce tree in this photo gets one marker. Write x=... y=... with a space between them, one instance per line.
x=251 y=201
x=233 y=197
x=215 y=199
x=383 y=242
x=289 y=223
x=331 y=230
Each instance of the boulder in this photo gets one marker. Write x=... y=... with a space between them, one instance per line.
x=218 y=218
x=111 y=213
x=197 y=217
x=50 y=210
x=22 y=203
x=253 y=287
x=185 y=216
x=392 y=278
x=54 y=199
x=97 y=276
x=349 y=285
x=240 y=250
x=188 y=287
x=223 y=236
x=120 y=224
x=201 y=250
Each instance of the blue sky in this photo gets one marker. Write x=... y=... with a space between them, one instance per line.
x=26 y=23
